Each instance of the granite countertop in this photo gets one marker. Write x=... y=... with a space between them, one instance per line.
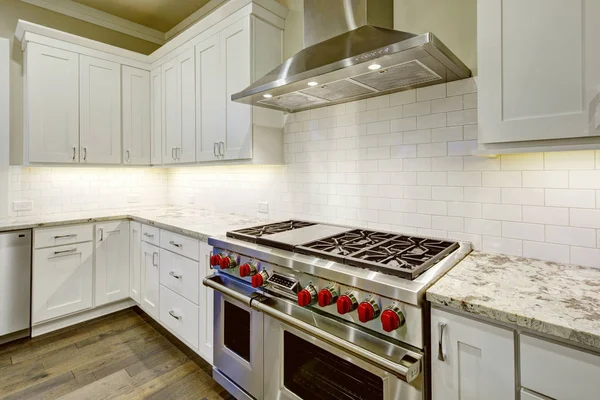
x=555 y=299
x=196 y=223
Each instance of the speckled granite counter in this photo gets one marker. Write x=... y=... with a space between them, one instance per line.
x=551 y=298
x=191 y=222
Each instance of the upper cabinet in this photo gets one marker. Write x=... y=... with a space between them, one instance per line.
x=136 y=116
x=538 y=85
x=156 y=117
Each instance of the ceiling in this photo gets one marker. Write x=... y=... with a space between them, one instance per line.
x=161 y=15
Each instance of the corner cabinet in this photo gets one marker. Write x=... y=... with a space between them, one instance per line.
x=136 y=116
x=471 y=360
x=538 y=85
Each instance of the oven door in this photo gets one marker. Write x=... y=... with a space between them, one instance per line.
x=238 y=339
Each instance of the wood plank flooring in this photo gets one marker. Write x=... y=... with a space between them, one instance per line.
x=125 y=355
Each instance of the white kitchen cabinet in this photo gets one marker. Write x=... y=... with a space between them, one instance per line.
x=136 y=116
x=210 y=100
x=112 y=262
x=179 y=274
x=150 y=279
x=135 y=261
x=179 y=102
x=179 y=315
x=205 y=305
x=539 y=72
x=62 y=281
x=99 y=111
x=51 y=105
x=156 y=125
x=477 y=359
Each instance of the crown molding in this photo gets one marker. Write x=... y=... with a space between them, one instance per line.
x=100 y=18
x=199 y=14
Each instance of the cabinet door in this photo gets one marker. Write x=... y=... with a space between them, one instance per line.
x=536 y=81
x=62 y=281
x=52 y=104
x=205 y=305
x=156 y=128
x=135 y=261
x=136 y=116
x=210 y=100
x=171 y=111
x=187 y=150
x=112 y=262
x=236 y=62
x=478 y=359
x=150 y=279
x=100 y=111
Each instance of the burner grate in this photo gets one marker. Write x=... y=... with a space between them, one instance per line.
x=253 y=233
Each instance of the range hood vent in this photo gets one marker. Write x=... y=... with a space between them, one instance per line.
x=350 y=54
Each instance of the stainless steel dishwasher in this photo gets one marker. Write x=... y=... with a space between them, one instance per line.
x=15 y=285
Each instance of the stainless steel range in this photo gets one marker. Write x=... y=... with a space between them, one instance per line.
x=306 y=310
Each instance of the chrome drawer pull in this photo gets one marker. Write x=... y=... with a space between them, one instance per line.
x=65 y=251
x=442 y=356
x=172 y=314
x=148 y=235
x=174 y=275
x=175 y=244
x=72 y=235
x=154 y=258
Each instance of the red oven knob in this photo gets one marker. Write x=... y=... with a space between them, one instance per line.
x=346 y=303
x=392 y=319
x=228 y=262
x=247 y=269
x=368 y=310
x=215 y=260
x=327 y=296
x=307 y=296
x=259 y=279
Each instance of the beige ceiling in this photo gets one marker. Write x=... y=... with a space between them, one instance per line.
x=161 y=15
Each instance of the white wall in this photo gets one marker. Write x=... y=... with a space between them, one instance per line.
x=4 y=123
x=402 y=162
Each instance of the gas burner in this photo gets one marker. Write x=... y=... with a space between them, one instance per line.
x=344 y=244
x=251 y=234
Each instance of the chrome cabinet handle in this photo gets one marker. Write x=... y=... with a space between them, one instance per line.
x=154 y=258
x=222 y=149
x=179 y=245
x=65 y=251
x=74 y=152
x=178 y=153
x=71 y=235
x=173 y=153
x=172 y=314
x=84 y=153
x=148 y=235
x=128 y=156
x=174 y=275
x=208 y=257
x=101 y=234
x=442 y=356
x=215 y=146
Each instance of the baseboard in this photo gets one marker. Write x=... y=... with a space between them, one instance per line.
x=11 y=337
x=74 y=319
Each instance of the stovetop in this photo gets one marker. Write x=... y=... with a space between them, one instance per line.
x=390 y=253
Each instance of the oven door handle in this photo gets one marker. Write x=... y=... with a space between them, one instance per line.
x=407 y=371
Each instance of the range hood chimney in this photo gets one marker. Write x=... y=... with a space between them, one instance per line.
x=351 y=52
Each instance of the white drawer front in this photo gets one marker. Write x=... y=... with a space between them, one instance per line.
x=47 y=237
x=557 y=371
x=179 y=315
x=179 y=274
x=151 y=234
x=179 y=244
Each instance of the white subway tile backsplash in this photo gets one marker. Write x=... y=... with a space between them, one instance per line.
x=584 y=179
x=432 y=150
x=375 y=103
x=546 y=215
x=447 y=193
x=529 y=197
x=483 y=227
x=417 y=192
x=377 y=128
x=431 y=92
x=570 y=198
x=431 y=121
x=448 y=134
x=470 y=101
x=585 y=218
x=585 y=256
x=472 y=178
x=462 y=117
x=455 y=224
x=502 y=212
x=447 y=164
x=475 y=163
x=417 y=164
x=416 y=137
x=453 y=103
x=462 y=86
x=462 y=148
x=520 y=162
x=572 y=236
x=415 y=109
x=431 y=178
x=520 y=230
x=468 y=210
x=501 y=179
x=386 y=114
x=403 y=124
x=406 y=151
x=432 y=207
x=401 y=98
x=546 y=251
x=365 y=117
x=570 y=160
x=470 y=132
x=512 y=247
x=417 y=220
x=546 y=179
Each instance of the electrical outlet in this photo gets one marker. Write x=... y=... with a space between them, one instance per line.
x=23 y=205
x=263 y=207
x=133 y=198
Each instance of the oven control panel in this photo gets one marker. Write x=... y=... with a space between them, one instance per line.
x=284 y=282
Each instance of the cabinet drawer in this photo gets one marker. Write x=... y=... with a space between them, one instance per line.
x=179 y=315
x=179 y=244
x=150 y=234
x=63 y=235
x=527 y=395
x=557 y=371
x=179 y=274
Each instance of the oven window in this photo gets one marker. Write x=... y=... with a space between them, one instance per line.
x=237 y=330
x=313 y=373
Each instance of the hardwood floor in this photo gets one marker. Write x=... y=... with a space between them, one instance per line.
x=125 y=355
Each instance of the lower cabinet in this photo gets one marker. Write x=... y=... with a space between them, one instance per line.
x=471 y=360
x=62 y=281
x=150 y=279
x=179 y=315
x=135 y=261
x=206 y=305
x=112 y=262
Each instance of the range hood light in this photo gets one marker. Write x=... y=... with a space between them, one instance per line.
x=313 y=83
x=267 y=96
x=374 y=67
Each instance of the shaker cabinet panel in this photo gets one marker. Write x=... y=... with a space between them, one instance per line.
x=205 y=305
x=51 y=105
x=150 y=279
x=171 y=111
x=187 y=149
x=537 y=82
x=136 y=116
x=135 y=261
x=112 y=262
x=156 y=124
x=470 y=360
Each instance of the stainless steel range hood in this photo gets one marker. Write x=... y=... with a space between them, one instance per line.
x=352 y=53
